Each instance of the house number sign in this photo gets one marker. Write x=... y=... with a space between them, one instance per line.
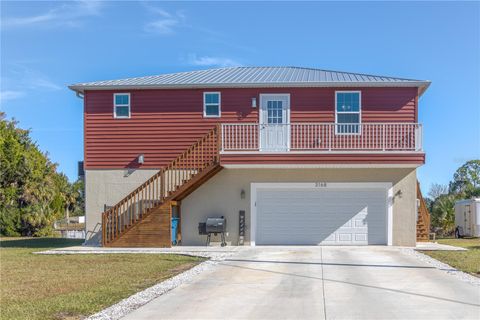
x=320 y=184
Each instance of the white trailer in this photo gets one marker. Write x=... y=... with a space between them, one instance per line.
x=467 y=217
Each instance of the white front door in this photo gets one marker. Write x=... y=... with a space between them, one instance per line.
x=274 y=122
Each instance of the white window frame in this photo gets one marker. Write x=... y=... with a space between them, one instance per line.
x=115 y=105
x=359 y=113
x=205 y=104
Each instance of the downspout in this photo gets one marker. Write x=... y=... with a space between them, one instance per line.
x=81 y=95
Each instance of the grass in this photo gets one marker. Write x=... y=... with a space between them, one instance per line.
x=74 y=286
x=467 y=243
x=467 y=261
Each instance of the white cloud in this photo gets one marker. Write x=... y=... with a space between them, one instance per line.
x=10 y=95
x=19 y=80
x=156 y=10
x=9 y=22
x=208 y=61
x=68 y=14
x=165 y=22
x=41 y=82
x=161 y=26
x=20 y=76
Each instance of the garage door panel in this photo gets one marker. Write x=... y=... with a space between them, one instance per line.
x=321 y=216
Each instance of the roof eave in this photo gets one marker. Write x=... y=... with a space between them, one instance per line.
x=422 y=85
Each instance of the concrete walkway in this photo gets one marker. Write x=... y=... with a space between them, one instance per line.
x=318 y=283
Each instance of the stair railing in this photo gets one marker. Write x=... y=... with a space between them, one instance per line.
x=423 y=212
x=161 y=186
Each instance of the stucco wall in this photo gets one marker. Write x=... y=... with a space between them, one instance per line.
x=405 y=210
x=221 y=196
x=108 y=187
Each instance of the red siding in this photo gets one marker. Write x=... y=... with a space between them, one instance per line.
x=165 y=122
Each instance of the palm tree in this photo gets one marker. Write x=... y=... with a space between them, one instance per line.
x=443 y=213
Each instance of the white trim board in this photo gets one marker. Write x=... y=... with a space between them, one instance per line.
x=257 y=152
x=387 y=186
x=321 y=166
x=421 y=85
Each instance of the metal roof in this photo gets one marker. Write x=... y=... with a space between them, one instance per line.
x=241 y=77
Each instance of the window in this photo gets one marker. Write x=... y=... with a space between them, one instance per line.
x=347 y=112
x=211 y=104
x=274 y=112
x=121 y=105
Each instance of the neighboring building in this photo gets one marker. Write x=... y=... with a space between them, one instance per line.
x=71 y=227
x=310 y=156
x=467 y=217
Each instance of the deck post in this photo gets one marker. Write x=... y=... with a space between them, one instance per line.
x=162 y=185
x=104 y=227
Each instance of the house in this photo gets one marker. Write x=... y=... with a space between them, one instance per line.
x=287 y=155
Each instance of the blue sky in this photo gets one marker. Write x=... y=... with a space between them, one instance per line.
x=47 y=45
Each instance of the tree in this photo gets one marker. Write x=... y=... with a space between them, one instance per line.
x=32 y=194
x=436 y=190
x=466 y=180
x=443 y=213
x=78 y=206
x=465 y=184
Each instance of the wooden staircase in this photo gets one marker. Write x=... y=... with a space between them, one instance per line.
x=143 y=218
x=423 y=221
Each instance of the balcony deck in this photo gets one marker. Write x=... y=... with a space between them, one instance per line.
x=322 y=143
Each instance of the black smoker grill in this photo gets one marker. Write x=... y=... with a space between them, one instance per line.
x=213 y=226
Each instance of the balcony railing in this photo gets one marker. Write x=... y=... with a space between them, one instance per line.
x=321 y=137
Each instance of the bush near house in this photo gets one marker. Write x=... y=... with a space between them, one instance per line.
x=74 y=286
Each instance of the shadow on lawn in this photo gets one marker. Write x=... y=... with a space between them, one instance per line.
x=39 y=242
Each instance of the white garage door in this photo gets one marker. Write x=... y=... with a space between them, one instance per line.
x=326 y=216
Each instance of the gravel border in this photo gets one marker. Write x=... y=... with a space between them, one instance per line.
x=138 y=299
x=443 y=266
x=213 y=255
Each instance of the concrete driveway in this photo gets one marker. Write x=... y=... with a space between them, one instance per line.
x=318 y=283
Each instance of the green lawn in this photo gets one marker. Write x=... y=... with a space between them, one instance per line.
x=467 y=261
x=73 y=286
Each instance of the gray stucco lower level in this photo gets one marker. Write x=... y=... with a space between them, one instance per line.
x=222 y=196
x=107 y=187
